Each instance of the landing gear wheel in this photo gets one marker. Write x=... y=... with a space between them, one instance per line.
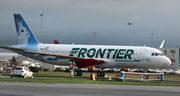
x=99 y=74
x=75 y=73
x=79 y=73
x=103 y=74
x=146 y=77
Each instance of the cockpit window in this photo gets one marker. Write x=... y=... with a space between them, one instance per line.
x=157 y=54
x=152 y=54
x=161 y=54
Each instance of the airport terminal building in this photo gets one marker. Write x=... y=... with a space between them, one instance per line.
x=174 y=56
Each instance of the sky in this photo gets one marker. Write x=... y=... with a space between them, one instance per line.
x=75 y=21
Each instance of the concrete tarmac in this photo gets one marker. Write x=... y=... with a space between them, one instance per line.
x=68 y=89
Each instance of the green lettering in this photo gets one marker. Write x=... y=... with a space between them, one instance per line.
x=115 y=53
x=109 y=52
x=100 y=53
x=82 y=52
x=128 y=54
x=74 y=51
x=120 y=53
x=91 y=52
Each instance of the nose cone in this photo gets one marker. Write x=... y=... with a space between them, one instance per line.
x=166 y=62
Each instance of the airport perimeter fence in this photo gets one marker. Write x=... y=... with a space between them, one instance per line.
x=141 y=76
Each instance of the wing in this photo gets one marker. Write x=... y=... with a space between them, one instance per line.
x=80 y=62
x=11 y=48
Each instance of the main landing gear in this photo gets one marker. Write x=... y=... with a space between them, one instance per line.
x=78 y=73
x=100 y=74
x=146 y=76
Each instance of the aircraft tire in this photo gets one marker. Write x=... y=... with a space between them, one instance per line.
x=99 y=74
x=80 y=73
x=75 y=73
x=103 y=74
x=146 y=77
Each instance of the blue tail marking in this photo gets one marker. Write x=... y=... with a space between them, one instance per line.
x=26 y=38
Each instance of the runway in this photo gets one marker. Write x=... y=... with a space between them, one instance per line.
x=67 y=89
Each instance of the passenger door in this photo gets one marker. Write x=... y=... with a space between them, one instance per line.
x=141 y=54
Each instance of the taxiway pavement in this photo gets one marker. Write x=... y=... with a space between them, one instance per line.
x=68 y=89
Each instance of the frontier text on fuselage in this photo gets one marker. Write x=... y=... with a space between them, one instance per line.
x=100 y=53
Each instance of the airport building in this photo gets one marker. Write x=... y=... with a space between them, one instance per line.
x=174 y=56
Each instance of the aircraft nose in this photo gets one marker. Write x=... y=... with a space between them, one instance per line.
x=167 y=61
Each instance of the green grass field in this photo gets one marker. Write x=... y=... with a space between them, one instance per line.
x=73 y=80
x=112 y=74
x=98 y=80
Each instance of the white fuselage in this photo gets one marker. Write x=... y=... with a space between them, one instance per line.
x=114 y=56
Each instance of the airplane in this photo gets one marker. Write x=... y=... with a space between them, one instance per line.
x=163 y=44
x=8 y=56
x=56 y=42
x=100 y=56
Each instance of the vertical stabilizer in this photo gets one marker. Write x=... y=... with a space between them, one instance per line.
x=26 y=38
x=163 y=44
x=56 y=42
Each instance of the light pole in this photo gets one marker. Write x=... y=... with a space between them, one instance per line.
x=95 y=38
x=130 y=34
x=41 y=28
x=152 y=40
x=41 y=35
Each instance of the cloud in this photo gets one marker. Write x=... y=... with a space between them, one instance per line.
x=75 y=21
